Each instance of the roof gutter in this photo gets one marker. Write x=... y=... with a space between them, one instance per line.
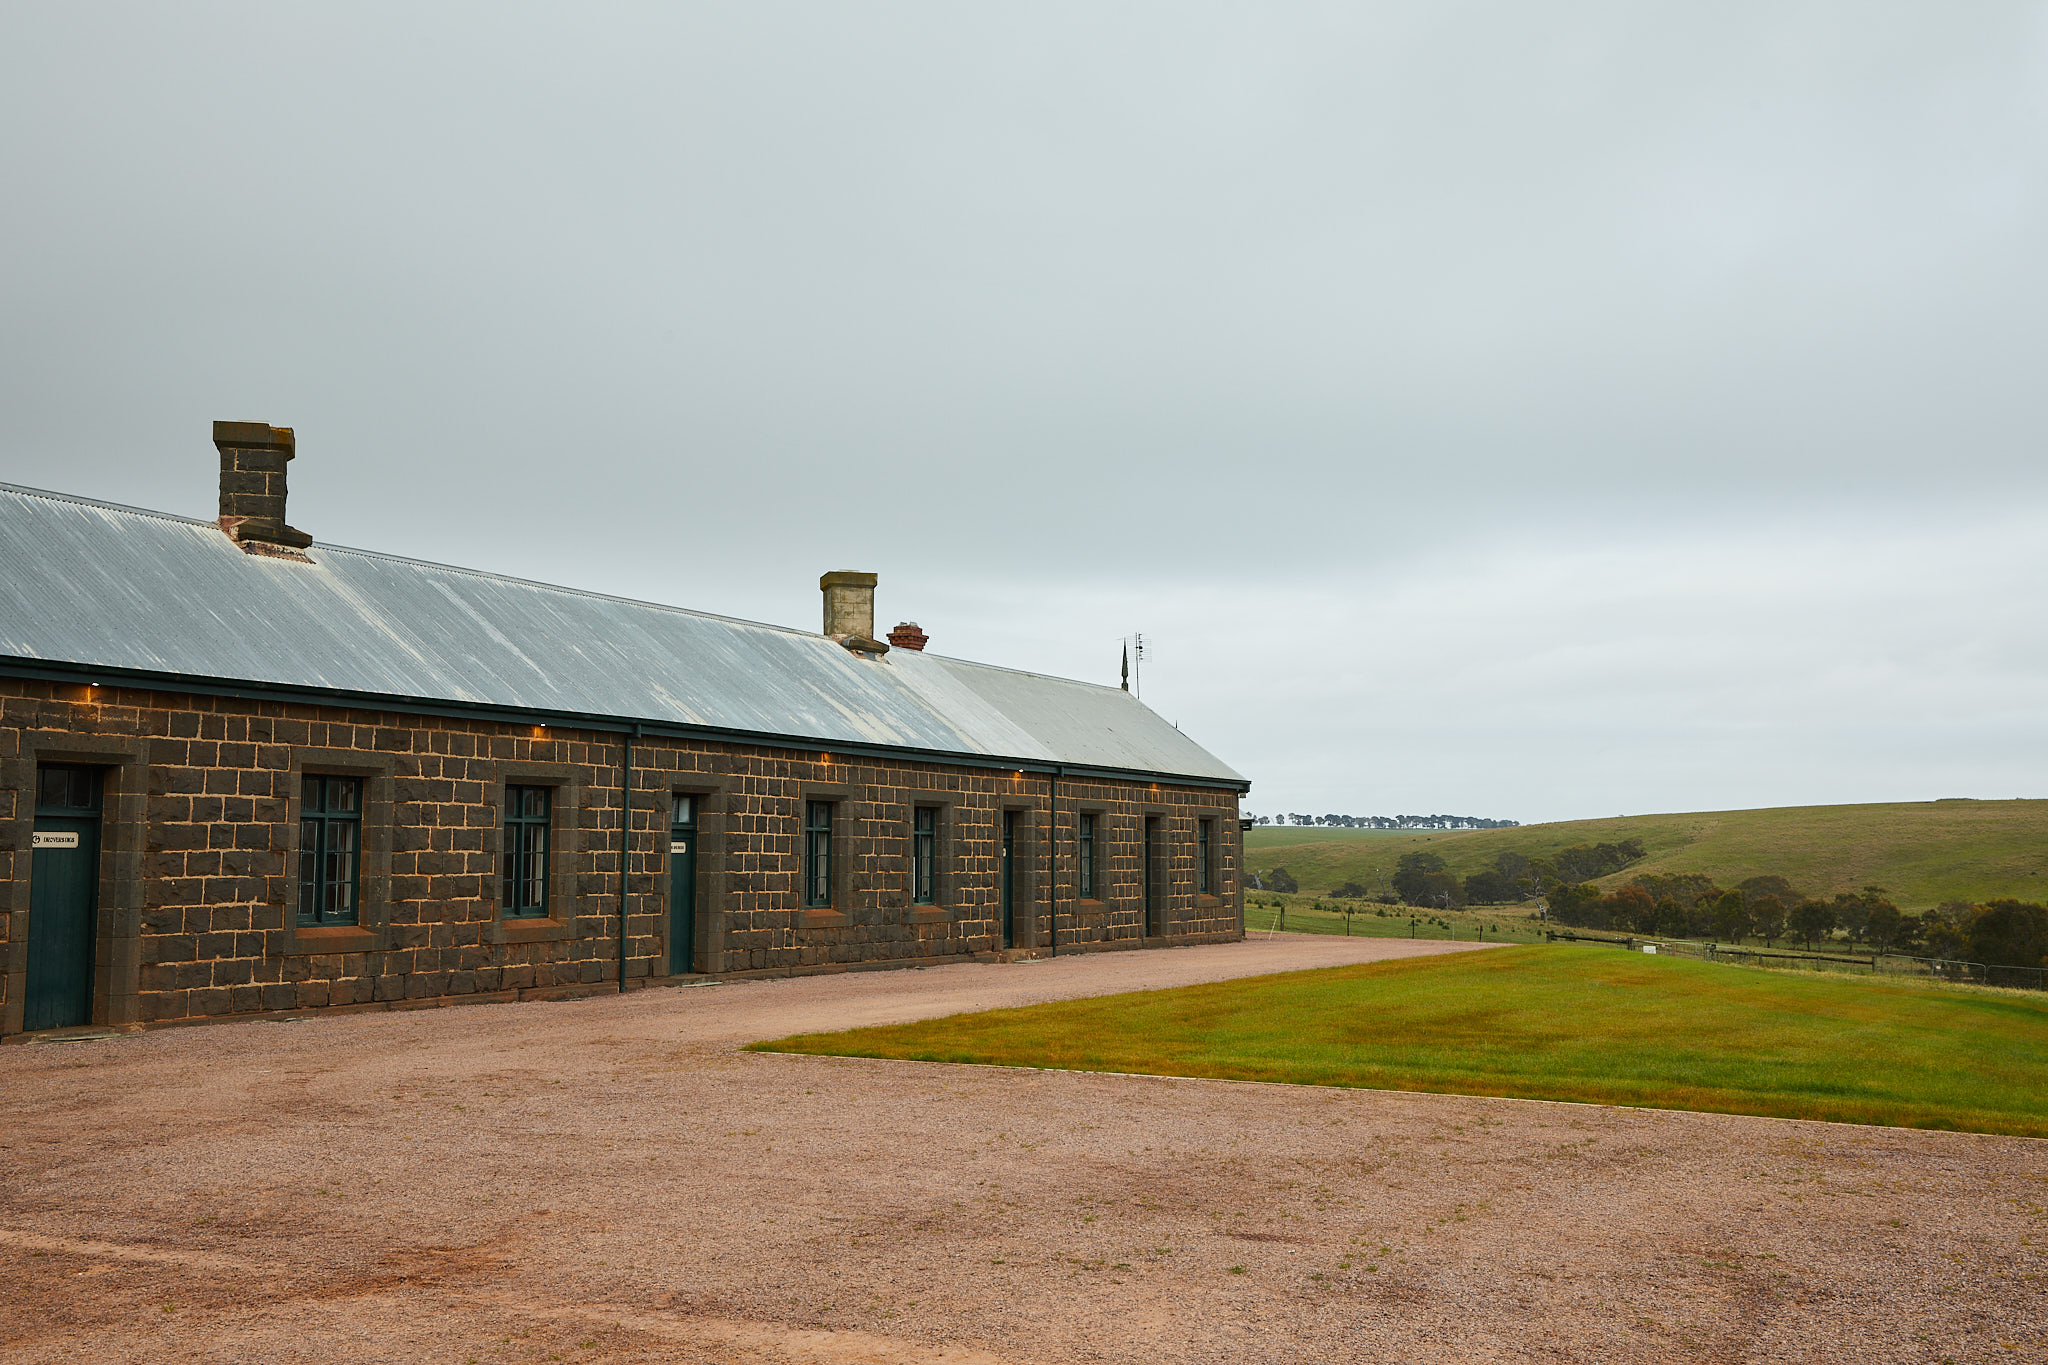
x=255 y=691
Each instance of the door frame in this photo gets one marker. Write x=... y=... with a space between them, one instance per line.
x=1009 y=820
x=695 y=835
x=123 y=761
x=73 y=988
x=1155 y=873
x=708 y=953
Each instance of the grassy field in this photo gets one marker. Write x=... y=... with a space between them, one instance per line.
x=1557 y=1023
x=1924 y=852
x=1488 y=924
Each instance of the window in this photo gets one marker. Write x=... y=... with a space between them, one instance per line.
x=330 y=848
x=67 y=788
x=924 y=855
x=1203 y=877
x=1087 y=857
x=527 y=816
x=817 y=854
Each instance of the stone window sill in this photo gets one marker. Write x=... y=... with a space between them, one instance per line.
x=538 y=930
x=1091 y=907
x=929 y=914
x=825 y=919
x=307 y=940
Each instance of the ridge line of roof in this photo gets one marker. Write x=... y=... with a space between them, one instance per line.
x=329 y=546
x=1044 y=677
x=321 y=545
x=83 y=501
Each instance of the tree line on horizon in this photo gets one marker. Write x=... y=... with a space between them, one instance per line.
x=1384 y=821
x=2006 y=933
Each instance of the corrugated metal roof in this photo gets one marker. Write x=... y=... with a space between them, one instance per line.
x=93 y=584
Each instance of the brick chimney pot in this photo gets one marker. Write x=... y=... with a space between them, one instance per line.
x=253 y=456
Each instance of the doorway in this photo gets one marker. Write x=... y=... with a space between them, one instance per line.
x=64 y=883
x=682 y=887
x=1155 y=910
x=1009 y=878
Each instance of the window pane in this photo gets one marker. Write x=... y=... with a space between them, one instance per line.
x=683 y=810
x=66 y=787
x=818 y=869
x=339 y=870
x=522 y=897
x=309 y=869
x=344 y=793
x=535 y=893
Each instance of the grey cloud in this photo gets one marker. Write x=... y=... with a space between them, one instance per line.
x=1073 y=319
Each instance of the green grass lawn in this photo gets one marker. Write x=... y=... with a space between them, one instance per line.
x=1926 y=852
x=1556 y=1023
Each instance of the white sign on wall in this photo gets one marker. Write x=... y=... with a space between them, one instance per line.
x=679 y=846
x=52 y=839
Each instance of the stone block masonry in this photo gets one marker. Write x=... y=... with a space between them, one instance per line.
x=196 y=914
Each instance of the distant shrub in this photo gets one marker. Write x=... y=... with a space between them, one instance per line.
x=2009 y=934
x=1421 y=879
x=1812 y=919
x=1489 y=887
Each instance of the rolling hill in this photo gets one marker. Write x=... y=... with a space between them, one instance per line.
x=1923 y=852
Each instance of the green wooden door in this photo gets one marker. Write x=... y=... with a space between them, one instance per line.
x=1154 y=916
x=1009 y=878
x=682 y=887
x=64 y=878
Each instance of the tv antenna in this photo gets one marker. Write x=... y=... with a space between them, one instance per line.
x=1134 y=653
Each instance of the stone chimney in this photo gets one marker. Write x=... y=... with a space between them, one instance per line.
x=908 y=636
x=850 y=610
x=253 y=456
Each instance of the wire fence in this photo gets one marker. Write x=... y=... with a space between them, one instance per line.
x=1404 y=922
x=1873 y=964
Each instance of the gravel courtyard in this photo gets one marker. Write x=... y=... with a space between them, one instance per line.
x=609 y=1180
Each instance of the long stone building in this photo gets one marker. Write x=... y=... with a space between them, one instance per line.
x=242 y=772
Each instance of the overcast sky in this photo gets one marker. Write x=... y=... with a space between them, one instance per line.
x=1530 y=411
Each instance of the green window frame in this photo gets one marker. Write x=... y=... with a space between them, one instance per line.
x=924 y=855
x=1085 y=857
x=529 y=823
x=817 y=855
x=330 y=849
x=1204 y=875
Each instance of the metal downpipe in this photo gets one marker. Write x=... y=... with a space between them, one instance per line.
x=625 y=839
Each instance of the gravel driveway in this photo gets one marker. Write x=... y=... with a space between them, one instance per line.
x=609 y=1180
